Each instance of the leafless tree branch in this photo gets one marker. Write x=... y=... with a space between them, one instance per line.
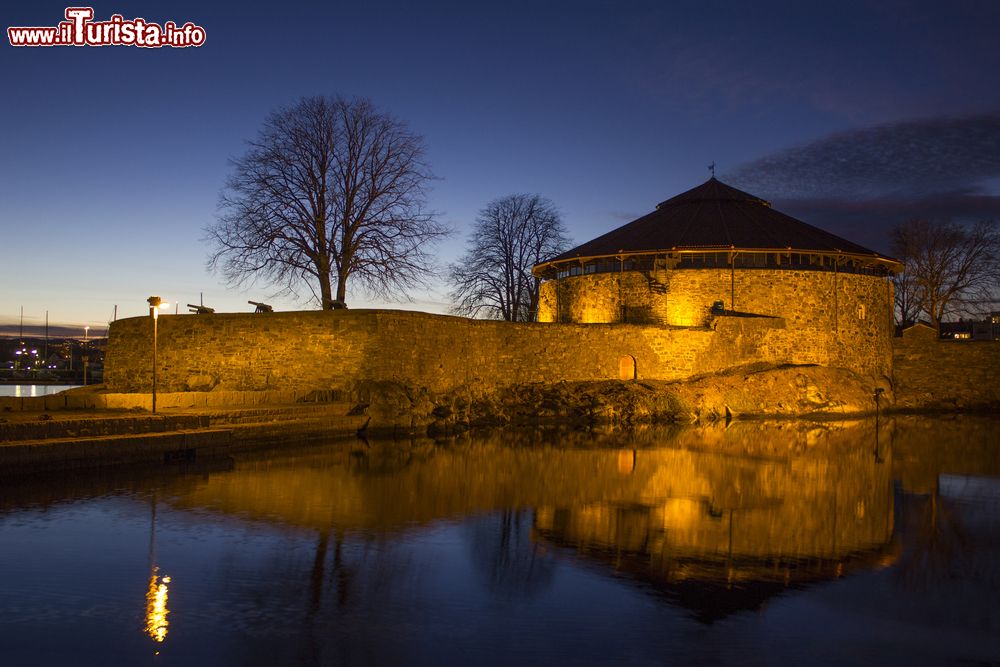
x=330 y=189
x=951 y=269
x=512 y=234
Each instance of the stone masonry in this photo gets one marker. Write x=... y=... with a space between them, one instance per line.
x=335 y=349
x=929 y=373
x=832 y=319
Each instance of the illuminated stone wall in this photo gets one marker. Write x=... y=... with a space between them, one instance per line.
x=833 y=319
x=334 y=349
x=945 y=374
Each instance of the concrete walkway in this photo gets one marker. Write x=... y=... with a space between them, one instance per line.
x=79 y=438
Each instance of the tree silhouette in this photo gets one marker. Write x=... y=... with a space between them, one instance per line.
x=331 y=189
x=952 y=268
x=493 y=278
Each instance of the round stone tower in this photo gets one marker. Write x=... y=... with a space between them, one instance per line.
x=717 y=251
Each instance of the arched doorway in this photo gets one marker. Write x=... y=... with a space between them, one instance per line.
x=626 y=368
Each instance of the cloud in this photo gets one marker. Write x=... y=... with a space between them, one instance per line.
x=909 y=158
x=868 y=221
x=625 y=216
x=864 y=181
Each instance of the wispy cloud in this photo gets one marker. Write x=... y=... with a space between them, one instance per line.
x=625 y=216
x=867 y=180
x=910 y=158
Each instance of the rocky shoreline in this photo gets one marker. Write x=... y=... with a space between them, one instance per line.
x=62 y=435
x=753 y=392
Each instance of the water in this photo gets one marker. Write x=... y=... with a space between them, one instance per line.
x=27 y=390
x=756 y=544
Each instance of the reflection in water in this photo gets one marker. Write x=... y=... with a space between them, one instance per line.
x=156 y=607
x=157 y=591
x=746 y=527
x=520 y=546
x=509 y=561
x=33 y=390
x=721 y=520
x=944 y=557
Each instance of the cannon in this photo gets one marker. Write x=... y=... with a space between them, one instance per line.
x=261 y=307
x=200 y=310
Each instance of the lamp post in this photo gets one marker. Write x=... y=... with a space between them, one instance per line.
x=155 y=303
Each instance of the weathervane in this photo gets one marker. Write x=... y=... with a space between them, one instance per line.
x=711 y=168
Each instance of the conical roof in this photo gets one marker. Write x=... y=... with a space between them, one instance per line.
x=714 y=217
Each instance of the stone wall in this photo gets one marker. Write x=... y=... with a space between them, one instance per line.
x=929 y=373
x=836 y=319
x=335 y=349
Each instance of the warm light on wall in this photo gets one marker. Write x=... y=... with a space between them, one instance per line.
x=591 y=315
x=686 y=314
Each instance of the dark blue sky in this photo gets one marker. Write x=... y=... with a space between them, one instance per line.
x=848 y=115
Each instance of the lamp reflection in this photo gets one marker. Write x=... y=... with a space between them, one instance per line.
x=156 y=606
x=158 y=589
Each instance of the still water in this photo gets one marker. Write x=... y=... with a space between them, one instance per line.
x=28 y=390
x=758 y=544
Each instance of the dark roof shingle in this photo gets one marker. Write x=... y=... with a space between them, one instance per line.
x=714 y=216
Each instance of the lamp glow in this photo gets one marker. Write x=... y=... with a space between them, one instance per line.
x=156 y=607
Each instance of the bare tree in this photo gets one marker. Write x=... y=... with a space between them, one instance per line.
x=953 y=268
x=905 y=295
x=493 y=278
x=331 y=189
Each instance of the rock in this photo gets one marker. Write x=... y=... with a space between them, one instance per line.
x=201 y=383
x=759 y=392
x=442 y=411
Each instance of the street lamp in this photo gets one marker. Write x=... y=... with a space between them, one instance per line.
x=155 y=303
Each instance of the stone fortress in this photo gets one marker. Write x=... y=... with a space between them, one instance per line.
x=715 y=250
x=712 y=281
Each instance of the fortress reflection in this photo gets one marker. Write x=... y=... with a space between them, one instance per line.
x=750 y=509
x=717 y=533
x=510 y=543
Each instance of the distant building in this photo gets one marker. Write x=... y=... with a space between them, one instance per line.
x=924 y=330
x=985 y=329
x=982 y=330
